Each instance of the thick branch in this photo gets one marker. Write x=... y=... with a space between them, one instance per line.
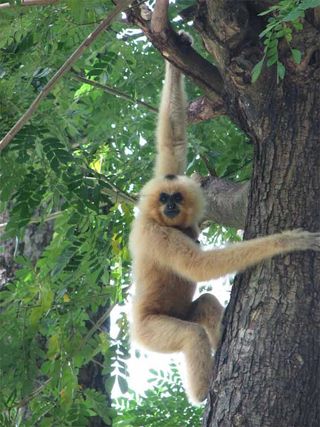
x=121 y=6
x=30 y=3
x=223 y=25
x=202 y=109
x=159 y=20
x=226 y=201
x=229 y=21
x=172 y=48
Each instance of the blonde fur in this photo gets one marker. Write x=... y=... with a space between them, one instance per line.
x=172 y=124
x=167 y=261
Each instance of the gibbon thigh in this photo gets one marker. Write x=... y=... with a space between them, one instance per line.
x=169 y=335
x=208 y=312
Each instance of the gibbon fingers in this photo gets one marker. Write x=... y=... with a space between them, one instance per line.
x=167 y=260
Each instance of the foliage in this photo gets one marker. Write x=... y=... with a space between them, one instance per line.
x=81 y=160
x=165 y=405
x=286 y=17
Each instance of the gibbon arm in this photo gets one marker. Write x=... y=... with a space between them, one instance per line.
x=184 y=256
x=172 y=123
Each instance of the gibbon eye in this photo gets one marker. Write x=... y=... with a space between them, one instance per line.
x=177 y=197
x=163 y=198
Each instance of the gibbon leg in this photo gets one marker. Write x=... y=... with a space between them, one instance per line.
x=208 y=312
x=166 y=334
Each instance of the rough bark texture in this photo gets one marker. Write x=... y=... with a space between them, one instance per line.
x=268 y=366
x=36 y=238
x=226 y=201
x=267 y=371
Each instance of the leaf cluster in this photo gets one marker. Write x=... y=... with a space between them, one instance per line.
x=165 y=405
x=65 y=185
x=283 y=19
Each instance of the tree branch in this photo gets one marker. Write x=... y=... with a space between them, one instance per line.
x=229 y=21
x=199 y=109
x=159 y=19
x=121 y=6
x=172 y=48
x=203 y=108
x=29 y=3
x=223 y=25
x=115 y=92
x=32 y=395
x=226 y=201
x=97 y=325
x=113 y=192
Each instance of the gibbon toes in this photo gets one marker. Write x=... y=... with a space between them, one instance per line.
x=207 y=311
x=199 y=393
x=199 y=365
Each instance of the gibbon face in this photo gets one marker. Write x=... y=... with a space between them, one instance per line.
x=172 y=200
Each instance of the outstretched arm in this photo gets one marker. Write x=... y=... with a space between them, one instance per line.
x=183 y=256
x=172 y=122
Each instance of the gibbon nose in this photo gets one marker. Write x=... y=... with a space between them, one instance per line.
x=171 y=210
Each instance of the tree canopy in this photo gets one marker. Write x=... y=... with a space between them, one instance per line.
x=71 y=175
x=79 y=162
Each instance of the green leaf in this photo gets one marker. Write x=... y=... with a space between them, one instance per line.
x=272 y=60
x=294 y=15
x=53 y=346
x=123 y=384
x=280 y=70
x=308 y=4
x=296 y=54
x=297 y=26
x=256 y=71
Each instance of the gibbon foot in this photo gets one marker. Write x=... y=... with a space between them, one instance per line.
x=208 y=312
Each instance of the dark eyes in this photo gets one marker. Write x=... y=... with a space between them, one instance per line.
x=164 y=197
x=175 y=197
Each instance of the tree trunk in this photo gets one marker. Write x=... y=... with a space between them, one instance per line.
x=267 y=371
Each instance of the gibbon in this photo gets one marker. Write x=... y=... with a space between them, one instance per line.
x=168 y=261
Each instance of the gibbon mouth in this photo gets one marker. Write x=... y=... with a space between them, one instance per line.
x=171 y=213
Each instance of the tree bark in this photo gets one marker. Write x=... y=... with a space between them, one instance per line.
x=267 y=369
x=226 y=201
